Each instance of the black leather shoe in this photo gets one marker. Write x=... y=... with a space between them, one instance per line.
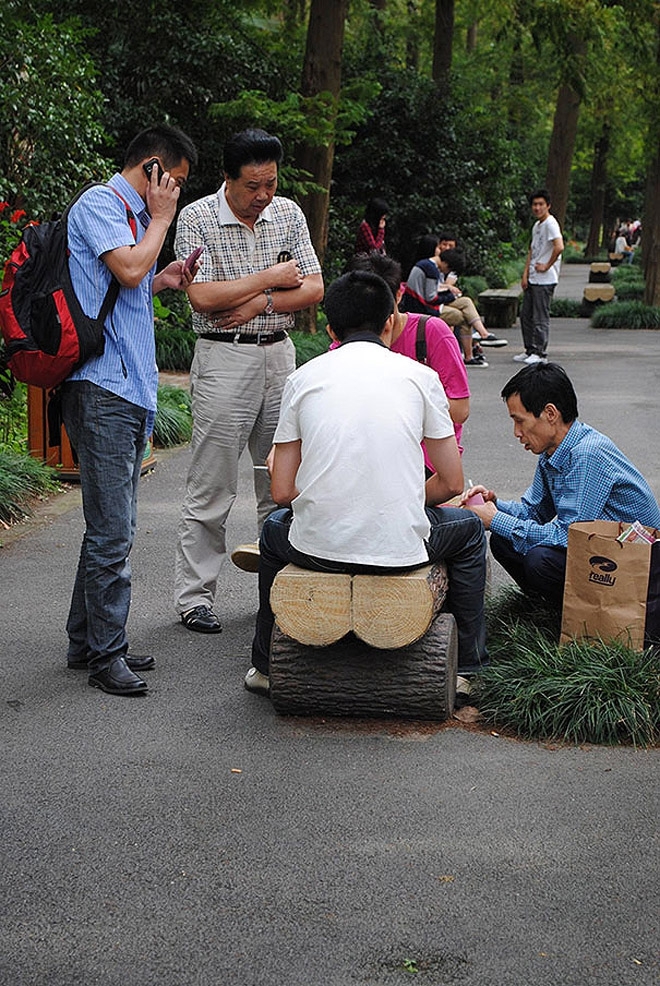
x=201 y=619
x=118 y=679
x=136 y=662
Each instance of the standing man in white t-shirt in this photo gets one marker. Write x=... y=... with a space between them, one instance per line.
x=348 y=471
x=539 y=279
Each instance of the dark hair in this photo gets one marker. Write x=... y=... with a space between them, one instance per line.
x=448 y=235
x=455 y=259
x=250 y=147
x=541 y=384
x=385 y=267
x=169 y=144
x=376 y=209
x=358 y=302
x=540 y=193
x=425 y=246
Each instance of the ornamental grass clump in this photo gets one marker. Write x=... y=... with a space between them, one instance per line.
x=626 y=315
x=580 y=692
x=173 y=424
x=22 y=479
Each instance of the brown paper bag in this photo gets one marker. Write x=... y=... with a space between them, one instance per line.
x=607 y=583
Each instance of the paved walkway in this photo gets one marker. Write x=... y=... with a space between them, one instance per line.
x=194 y=838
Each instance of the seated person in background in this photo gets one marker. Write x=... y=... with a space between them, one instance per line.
x=427 y=291
x=442 y=351
x=371 y=234
x=622 y=246
x=347 y=468
x=581 y=476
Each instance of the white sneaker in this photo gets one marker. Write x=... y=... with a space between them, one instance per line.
x=257 y=682
x=535 y=358
x=246 y=556
x=521 y=358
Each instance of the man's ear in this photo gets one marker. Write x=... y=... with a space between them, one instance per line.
x=331 y=334
x=552 y=413
x=388 y=329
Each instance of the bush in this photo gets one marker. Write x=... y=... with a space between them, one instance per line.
x=309 y=345
x=626 y=315
x=472 y=285
x=173 y=424
x=581 y=692
x=565 y=308
x=174 y=348
x=630 y=291
x=22 y=478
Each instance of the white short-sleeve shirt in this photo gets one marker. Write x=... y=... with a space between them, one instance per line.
x=361 y=412
x=543 y=234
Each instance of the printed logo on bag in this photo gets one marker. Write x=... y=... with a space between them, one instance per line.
x=601 y=569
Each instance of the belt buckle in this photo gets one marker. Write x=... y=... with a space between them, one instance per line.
x=264 y=338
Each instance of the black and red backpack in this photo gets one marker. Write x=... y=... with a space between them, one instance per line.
x=46 y=333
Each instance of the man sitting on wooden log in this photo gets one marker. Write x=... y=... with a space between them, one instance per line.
x=348 y=468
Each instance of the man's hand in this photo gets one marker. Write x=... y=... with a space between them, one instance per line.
x=174 y=276
x=485 y=512
x=162 y=197
x=285 y=275
x=233 y=318
x=524 y=281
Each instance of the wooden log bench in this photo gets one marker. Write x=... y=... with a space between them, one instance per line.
x=363 y=645
x=499 y=307
x=600 y=273
x=594 y=295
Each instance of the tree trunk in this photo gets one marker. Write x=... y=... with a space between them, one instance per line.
x=651 y=217
x=349 y=678
x=321 y=73
x=562 y=145
x=443 y=39
x=598 y=189
x=471 y=37
x=651 y=231
x=412 y=37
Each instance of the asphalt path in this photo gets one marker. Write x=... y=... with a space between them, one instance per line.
x=193 y=836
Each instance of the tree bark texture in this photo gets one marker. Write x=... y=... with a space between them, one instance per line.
x=560 y=154
x=651 y=218
x=321 y=73
x=443 y=39
x=349 y=678
x=597 y=230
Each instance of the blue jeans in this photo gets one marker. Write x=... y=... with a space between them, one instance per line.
x=457 y=537
x=535 y=317
x=109 y=437
x=542 y=570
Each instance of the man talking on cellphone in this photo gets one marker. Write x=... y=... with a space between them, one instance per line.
x=109 y=403
x=257 y=269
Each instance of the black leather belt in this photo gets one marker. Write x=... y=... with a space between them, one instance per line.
x=256 y=339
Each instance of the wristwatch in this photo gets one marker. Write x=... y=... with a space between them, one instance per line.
x=270 y=308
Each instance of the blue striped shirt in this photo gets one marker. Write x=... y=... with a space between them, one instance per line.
x=98 y=223
x=586 y=478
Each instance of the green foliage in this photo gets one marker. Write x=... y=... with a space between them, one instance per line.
x=173 y=424
x=630 y=290
x=22 y=478
x=50 y=112
x=309 y=345
x=13 y=416
x=626 y=315
x=473 y=285
x=565 y=308
x=579 y=692
x=626 y=273
x=174 y=348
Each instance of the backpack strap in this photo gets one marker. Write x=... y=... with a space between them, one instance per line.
x=420 y=341
x=112 y=293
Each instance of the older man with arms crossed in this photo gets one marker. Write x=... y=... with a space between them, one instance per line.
x=258 y=268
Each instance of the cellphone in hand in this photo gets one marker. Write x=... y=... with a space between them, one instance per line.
x=191 y=260
x=149 y=166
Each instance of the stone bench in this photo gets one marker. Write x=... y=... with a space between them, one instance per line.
x=499 y=307
x=363 y=645
x=600 y=273
x=594 y=295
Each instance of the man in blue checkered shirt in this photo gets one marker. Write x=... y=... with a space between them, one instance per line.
x=257 y=269
x=581 y=476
